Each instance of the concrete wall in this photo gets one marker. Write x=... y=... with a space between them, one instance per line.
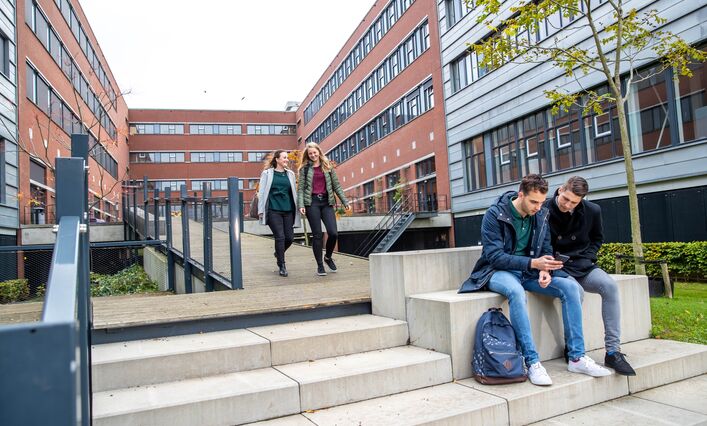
x=43 y=234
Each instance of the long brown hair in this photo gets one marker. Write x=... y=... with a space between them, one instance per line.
x=323 y=160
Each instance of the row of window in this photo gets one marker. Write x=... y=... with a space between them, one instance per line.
x=60 y=54
x=371 y=37
x=467 y=68
x=67 y=11
x=661 y=112
x=196 y=157
x=47 y=100
x=212 y=129
x=197 y=185
x=418 y=101
x=406 y=52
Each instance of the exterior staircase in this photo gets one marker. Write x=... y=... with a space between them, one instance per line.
x=406 y=364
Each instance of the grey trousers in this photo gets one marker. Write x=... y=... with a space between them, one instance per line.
x=600 y=282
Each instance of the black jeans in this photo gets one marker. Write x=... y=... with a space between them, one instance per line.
x=320 y=211
x=282 y=226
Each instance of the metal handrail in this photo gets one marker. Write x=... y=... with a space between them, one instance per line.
x=398 y=211
x=61 y=301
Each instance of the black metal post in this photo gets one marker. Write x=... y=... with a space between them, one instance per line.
x=208 y=249
x=145 y=195
x=185 y=240
x=235 y=224
x=168 y=231
x=156 y=213
x=134 y=189
x=123 y=205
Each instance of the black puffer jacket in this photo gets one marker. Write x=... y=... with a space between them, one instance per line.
x=577 y=235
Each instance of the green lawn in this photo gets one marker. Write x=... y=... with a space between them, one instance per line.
x=683 y=317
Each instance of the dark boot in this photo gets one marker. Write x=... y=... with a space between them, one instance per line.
x=618 y=362
x=283 y=270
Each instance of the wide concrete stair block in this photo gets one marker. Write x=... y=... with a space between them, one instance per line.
x=629 y=411
x=448 y=404
x=227 y=399
x=144 y=362
x=310 y=340
x=445 y=321
x=528 y=403
x=341 y=380
x=659 y=362
x=395 y=276
x=690 y=394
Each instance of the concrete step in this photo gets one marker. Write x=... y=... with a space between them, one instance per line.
x=310 y=340
x=445 y=321
x=681 y=403
x=228 y=399
x=657 y=362
x=449 y=404
x=144 y=362
x=341 y=380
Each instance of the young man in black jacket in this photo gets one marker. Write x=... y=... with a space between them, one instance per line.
x=576 y=229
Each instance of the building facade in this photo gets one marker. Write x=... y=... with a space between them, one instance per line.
x=188 y=147
x=377 y=112
x=500 y=127
x=66 y=86
x=9 y=183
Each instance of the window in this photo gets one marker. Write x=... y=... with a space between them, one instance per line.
x=4 y=55
x=475 y=163
x=461 y=73
x=503 y=145
x=217 y=157
x=37 y=172
x=692 y=104
x=425 y=167
x=215 y=184
x=156 y=129
x=255 y=157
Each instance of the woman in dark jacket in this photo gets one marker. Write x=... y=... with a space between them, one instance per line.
x=317 y=190
x=277 y=204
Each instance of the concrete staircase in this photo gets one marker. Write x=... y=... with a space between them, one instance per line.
x=409 y=364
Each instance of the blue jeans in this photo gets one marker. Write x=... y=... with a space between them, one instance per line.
x=512 y=285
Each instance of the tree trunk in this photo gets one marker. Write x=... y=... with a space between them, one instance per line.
x=631 y=184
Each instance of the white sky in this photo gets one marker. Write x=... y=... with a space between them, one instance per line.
x=172 y=54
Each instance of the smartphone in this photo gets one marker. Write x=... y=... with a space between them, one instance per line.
x=561 y=257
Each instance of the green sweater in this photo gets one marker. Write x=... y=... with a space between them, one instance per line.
x=304 y=187
x=279 y=197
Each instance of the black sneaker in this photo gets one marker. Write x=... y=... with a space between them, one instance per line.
x=320 y=270
x=618 y=362
x=283 y=270
x=330 y=263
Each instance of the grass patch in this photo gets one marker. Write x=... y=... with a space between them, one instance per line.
x=683 y=317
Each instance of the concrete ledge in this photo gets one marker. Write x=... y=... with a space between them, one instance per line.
x=449 y=404
x=446 y=321
x=145 y=362
x=395 y=276
x=350 y=378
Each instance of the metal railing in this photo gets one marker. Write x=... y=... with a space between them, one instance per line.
x=418 y=203
x=152 y=216
x=46 y=364
x=400 y=209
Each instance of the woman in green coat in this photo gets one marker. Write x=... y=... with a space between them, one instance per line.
x=317 y=190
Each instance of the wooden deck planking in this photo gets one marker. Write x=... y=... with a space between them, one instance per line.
x=264 y=290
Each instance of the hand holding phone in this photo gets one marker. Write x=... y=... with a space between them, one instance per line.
x=561 y=257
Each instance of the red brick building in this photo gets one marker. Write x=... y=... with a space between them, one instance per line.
x=189 y=147
x=65 y=86
x=377 y=110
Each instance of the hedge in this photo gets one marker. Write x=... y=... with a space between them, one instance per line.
x=130 y=280
x=686 y=261
x=14 y=291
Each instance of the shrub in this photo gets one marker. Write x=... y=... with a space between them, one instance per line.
x=14 y=291
x=130 y=280
x=686 y=261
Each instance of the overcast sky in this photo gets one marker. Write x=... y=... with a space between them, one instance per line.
x=221 y=54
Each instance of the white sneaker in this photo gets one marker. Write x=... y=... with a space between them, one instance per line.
x=538 y=376
x=586 y=365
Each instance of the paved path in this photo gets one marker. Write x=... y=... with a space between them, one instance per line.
x=264 y=290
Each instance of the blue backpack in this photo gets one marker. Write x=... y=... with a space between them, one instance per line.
x=497 y=358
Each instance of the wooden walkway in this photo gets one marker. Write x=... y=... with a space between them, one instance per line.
x=265 y=292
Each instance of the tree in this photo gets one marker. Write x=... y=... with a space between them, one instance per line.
x=619 y=41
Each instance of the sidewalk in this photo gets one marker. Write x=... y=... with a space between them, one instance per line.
x=681 y=403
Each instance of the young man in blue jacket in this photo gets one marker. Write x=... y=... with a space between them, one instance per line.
x=517 y=256
x=576 y=229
